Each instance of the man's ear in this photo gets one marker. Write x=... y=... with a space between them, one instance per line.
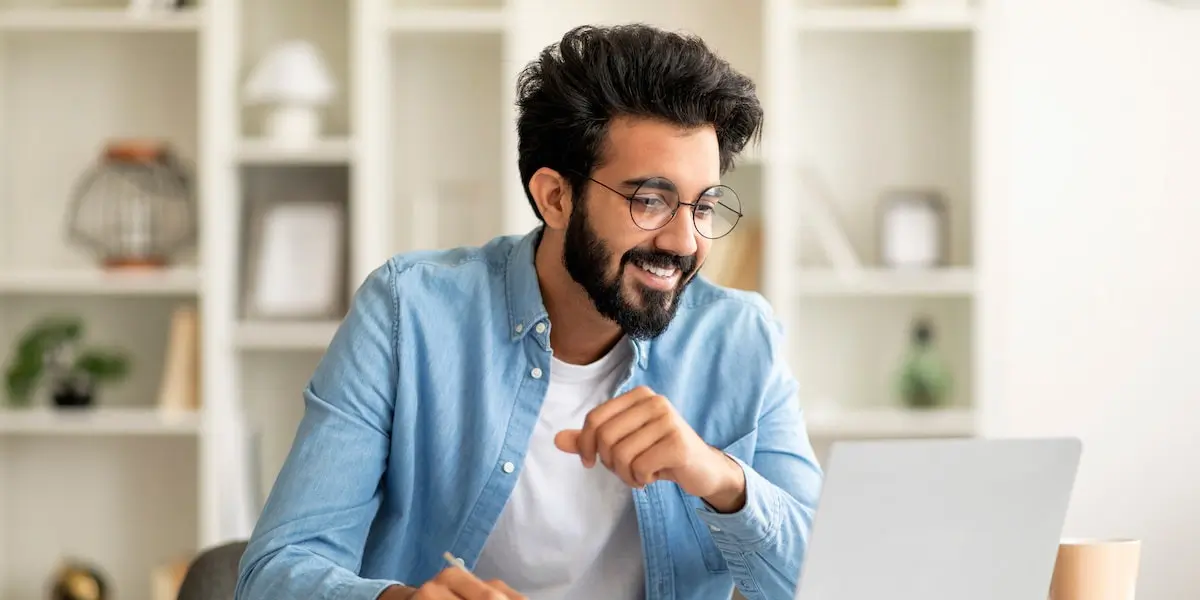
x=552 y=194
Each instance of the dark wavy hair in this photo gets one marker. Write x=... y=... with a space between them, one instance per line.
x=569 y=94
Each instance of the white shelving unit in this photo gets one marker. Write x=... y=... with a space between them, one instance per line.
x=419 y=145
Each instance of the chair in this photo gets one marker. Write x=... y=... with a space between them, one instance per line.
x=213 y=574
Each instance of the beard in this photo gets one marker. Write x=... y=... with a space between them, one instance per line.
x=586 y=258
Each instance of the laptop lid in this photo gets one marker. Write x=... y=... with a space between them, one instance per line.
x=939 y=519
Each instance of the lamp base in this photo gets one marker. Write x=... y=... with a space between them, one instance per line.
x=293 y=127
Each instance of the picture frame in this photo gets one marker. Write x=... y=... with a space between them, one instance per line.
x=296 y=260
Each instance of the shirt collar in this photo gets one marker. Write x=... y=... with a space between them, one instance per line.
x=525 y=307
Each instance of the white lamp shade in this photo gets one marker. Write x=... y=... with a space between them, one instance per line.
x=292 y=73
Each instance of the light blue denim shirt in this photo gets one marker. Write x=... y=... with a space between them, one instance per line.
x=418 y=417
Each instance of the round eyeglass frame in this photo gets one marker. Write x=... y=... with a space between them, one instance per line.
x=679 y=203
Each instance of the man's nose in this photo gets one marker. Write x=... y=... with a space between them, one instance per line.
x=679 y=236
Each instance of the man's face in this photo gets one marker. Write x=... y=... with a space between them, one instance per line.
x=633 y=276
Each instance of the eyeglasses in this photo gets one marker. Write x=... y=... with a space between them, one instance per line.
x=655 y=201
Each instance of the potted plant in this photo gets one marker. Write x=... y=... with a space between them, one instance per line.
x=51 y=351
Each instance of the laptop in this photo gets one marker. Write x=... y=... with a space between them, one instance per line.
x=939 y=519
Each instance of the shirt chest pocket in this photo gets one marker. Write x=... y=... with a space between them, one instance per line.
x=742 y=448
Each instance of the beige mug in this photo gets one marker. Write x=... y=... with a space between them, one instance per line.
x=1096 y=569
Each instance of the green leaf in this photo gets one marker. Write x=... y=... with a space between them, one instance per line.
x=103 y=364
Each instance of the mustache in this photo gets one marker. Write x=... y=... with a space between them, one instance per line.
x=660 y=259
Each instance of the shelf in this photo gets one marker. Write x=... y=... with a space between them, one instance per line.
x=890 y=423
x=96 y=20
x=875 y=282
x=329 y=151
x=95 y=282
x=285 y=335
x=885 y=19
x=98 y=421
x=447 y=20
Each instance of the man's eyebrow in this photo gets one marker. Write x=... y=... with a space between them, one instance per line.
x=658 y=183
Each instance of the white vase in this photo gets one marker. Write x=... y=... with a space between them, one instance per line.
x=912 y=229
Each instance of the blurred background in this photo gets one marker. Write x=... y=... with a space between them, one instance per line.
x=975 y=218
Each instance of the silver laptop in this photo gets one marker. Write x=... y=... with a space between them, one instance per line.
x=939 y=520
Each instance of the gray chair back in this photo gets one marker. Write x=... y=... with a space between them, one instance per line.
x=213 y=574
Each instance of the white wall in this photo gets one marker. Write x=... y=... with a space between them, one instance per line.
x=1095 y=175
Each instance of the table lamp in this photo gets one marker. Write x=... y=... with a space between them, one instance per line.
x=294 y=81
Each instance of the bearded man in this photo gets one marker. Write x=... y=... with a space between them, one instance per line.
x=574 y=413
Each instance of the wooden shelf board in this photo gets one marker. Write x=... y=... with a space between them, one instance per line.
x=889 y=422
x=447 y=20
x=96 y=282
x=885 y=19
x=97 y=20
x=883 y=282
x=285 y=335
x=108 y=421
x=327 y=151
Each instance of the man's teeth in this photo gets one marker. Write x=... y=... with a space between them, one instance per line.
x=659 y=271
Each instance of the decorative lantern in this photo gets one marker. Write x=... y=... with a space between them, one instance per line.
x=134 y=208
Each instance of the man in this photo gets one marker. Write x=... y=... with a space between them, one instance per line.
x=573 y=413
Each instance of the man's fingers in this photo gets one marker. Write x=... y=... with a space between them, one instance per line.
x=637 y=444
x=627 y=423
x=567 y=440
x=509 y=593
x=657 y=461
x=601 y=414
x=461 y=583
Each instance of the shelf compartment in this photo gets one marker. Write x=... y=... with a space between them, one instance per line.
x=100 y=421
x=849 y=350
x=880 y=114
x=51 y=139
x=139 y=327
x=124 y=503
x=115 y=20
x=446 y=128
x=97 y=282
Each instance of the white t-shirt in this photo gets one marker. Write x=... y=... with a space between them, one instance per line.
x=569 y=532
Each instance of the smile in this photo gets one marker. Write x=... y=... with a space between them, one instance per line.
x=660 y=278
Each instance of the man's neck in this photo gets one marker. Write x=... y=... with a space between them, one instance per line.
x=580 y=334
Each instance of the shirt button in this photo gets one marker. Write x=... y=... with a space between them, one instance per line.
x=508 y=467
x=714 y=528
x=541 y=328
x=461 y=562
x=519 y=328
x=536 y=372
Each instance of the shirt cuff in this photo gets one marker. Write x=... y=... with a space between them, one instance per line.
x=363 y=589
x=757 y=520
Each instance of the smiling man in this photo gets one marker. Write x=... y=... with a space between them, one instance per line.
x=574 y=413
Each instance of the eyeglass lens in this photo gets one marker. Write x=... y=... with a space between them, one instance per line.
x=715 y=212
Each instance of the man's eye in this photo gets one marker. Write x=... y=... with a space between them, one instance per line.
x=650 y=201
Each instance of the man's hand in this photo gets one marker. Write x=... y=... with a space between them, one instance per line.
x=641 y=438
x=454 y=583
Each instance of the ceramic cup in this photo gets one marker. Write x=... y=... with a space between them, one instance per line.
x=1096 y=569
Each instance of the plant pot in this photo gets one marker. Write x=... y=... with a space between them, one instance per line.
x=69 y=396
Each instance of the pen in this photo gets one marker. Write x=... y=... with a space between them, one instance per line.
x=453 y=562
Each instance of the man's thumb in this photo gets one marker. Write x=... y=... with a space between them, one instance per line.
x=567 y=440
